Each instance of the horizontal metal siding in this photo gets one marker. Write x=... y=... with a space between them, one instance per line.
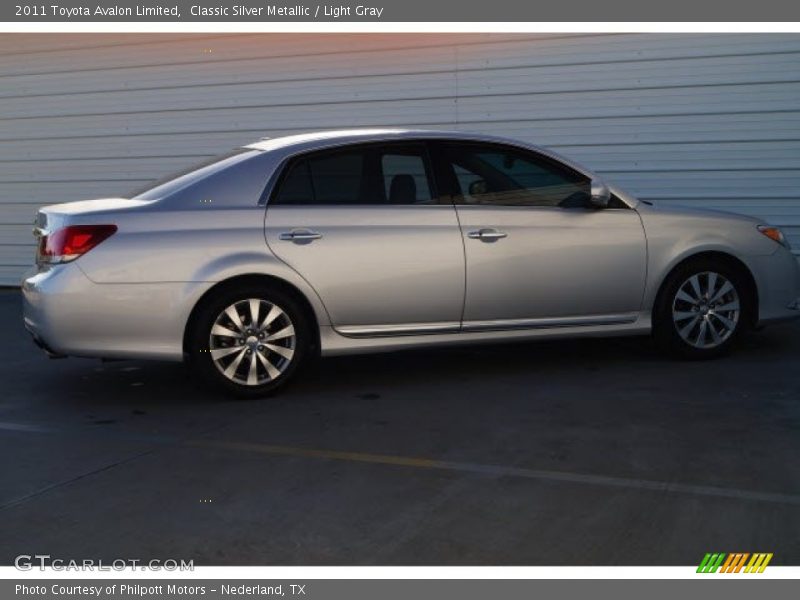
x=711 y=120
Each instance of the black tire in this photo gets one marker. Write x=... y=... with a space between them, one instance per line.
x=200 y=341
x=666 y=331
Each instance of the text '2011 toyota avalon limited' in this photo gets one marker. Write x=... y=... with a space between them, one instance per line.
x=374 y=240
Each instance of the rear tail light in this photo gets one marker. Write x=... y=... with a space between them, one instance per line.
x=68 y=243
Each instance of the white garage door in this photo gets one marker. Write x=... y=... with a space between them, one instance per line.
x=712 y=120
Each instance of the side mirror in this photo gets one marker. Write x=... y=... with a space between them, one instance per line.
x=600 y=194
x=478 y=187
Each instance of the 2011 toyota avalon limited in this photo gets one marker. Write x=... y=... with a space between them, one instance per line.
x=373 y=240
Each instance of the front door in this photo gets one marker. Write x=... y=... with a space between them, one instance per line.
x=364 y=226
x=537 y=253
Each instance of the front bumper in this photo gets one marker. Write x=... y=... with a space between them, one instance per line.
x=778 y=280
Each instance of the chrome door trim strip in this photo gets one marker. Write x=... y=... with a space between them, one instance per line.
x=404 y=329
x=496 y=325
x=549 y=322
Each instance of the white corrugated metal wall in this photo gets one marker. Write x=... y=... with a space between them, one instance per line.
x=712 y=120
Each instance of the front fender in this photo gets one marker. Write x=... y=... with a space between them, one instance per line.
x=671 y=239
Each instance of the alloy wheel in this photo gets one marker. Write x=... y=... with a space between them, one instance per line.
x=252 y=342
x=706 y=310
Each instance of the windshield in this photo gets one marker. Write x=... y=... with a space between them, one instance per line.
x=174 y=181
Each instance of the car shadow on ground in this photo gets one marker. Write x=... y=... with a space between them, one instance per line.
x=27 y=372
x=134 y=382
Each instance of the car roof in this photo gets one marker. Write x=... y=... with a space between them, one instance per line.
x=340 y=136
x=293 y=144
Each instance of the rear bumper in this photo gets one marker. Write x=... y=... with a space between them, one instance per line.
x=43 y=314
x=69 y=315
x=44 y=347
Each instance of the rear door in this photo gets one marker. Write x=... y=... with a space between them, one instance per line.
x=364 y=226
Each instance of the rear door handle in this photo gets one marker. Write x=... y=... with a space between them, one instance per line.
x=299 y=235
x=487 y=235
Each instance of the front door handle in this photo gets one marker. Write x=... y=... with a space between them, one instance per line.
x=299 y=235
x=487 y=235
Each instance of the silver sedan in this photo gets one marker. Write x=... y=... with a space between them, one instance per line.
x=375 y=240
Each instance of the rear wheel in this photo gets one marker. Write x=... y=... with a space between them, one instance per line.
x=702 y=310
x=249 y=341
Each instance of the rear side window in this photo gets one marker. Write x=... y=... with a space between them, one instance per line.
x=405 y=179
x=331 y=179
x=296 y=186
x=375 y=174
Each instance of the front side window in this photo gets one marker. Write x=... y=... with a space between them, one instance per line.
x=506 y=176
x=375 y=174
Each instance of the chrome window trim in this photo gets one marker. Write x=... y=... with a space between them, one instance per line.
x=410 y=136
x=284 y=163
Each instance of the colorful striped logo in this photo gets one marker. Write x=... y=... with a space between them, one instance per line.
x=734 y=562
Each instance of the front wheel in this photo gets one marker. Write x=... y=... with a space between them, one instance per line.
x=249 y=341
x=702 y=311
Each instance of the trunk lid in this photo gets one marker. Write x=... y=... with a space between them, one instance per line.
x=54 y=216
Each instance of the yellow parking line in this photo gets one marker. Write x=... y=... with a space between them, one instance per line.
x=427 y=463
x=500 y=471
x=385 y=459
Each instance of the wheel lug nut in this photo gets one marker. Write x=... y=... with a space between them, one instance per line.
x=260 y=347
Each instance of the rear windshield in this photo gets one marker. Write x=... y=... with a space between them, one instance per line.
x=174 y=181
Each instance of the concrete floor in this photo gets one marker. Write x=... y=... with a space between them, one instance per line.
x=595 y=452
